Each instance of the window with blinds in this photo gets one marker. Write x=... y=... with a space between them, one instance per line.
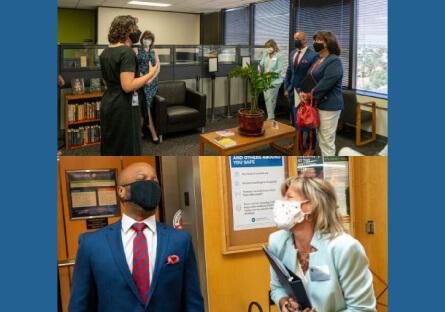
x=327 y=15
x=272 y=22
x=372 y=46
x=236 y=26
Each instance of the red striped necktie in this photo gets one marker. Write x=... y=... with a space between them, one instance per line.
x=296 y=59
x=141 y=272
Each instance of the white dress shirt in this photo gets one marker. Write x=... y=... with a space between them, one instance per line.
x=302 y=52
x=128 y=235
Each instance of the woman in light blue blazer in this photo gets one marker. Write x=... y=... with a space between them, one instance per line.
x=313 y=244
x=272 y=61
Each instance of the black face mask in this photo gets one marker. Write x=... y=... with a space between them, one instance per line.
x=298 y=44
x=145 y=193
x=318 y=46
x=134 y=37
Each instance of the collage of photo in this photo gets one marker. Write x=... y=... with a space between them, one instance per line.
x=222 y=156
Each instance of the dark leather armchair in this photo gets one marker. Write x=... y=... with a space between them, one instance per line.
x=178 y=108
x=353 y=114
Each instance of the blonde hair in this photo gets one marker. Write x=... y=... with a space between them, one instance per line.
x=273 y=44
x=321 y=195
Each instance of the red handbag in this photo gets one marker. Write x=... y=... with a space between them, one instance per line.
x=307 y=114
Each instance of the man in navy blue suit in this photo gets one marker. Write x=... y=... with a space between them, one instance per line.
x=136 y=264
x=301 y=60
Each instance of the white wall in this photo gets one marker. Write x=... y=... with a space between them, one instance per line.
x=168 y=27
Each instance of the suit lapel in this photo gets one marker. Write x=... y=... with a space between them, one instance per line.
x=114 y=238
x=161 y=256
x=290 y=258
x=293 y=59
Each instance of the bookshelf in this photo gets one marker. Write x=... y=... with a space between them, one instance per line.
x=82 y=119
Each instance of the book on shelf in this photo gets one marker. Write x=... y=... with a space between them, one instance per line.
x=83 y=135
x=225 y=141
x=83 y=111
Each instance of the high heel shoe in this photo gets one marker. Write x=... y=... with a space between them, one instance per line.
x=155 y=141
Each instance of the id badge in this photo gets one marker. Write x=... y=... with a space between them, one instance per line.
x=135 y=99
x=320 y=273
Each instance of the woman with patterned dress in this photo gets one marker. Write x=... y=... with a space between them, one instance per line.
x=146 y=54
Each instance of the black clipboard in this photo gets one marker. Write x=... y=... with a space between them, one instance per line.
x=292 y=284
x=308 y=83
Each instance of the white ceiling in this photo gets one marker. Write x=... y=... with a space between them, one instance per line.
x=192 y=6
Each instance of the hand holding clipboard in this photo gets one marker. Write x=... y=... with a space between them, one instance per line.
x=291 y=283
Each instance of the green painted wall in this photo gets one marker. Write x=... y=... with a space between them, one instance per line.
x=76 y=26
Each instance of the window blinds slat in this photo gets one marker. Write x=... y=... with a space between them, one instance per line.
x=236 y=28
x=272 y=22
x=372 y=46
x=327 y=15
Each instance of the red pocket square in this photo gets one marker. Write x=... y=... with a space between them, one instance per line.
x=172 y=259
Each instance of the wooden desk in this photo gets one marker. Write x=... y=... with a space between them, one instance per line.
x=244 y=143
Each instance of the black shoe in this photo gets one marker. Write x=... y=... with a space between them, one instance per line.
x=156 y=141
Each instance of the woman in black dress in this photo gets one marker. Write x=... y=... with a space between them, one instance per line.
x=120 y=108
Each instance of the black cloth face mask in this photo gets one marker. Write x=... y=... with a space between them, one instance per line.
x=298 y=44
x=318 y=46
x=145 y=193
x=134 y=37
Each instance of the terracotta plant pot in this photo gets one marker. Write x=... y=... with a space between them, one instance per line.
x=250 y=124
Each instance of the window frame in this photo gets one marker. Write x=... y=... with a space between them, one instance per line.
x=354 y=68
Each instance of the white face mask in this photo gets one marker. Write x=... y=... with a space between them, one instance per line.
x=270 y=50
x=286 y=214
x=146 y=42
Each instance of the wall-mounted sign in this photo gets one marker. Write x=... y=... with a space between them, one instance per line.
x=255 y=185
x=334 y=169
x=213 y=64
x=96 y=223
x=92 y=193
x=178 y=220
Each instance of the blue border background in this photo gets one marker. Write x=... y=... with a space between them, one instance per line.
x=416 y=171
x=28 y=227
x=28 y=131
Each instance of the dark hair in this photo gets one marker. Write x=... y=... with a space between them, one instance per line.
x=148 y=34
x=330 y=39
x=120 y=27
x=273 y=44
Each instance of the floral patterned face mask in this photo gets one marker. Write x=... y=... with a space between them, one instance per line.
x=288 y=213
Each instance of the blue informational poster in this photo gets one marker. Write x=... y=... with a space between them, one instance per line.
x=256 y=184
x=256 y=161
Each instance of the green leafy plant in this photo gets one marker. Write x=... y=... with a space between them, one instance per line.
x=258 y=82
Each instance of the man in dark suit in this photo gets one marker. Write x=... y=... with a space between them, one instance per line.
x=136 y=264
x=301 y=60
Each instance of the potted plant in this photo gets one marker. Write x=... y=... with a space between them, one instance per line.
x=250 y=120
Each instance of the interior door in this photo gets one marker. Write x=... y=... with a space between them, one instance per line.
x=369 y=178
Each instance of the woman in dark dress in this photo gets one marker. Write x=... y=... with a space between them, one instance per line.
x=120 y=108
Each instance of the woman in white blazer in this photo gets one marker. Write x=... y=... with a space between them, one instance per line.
x=313 y=244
